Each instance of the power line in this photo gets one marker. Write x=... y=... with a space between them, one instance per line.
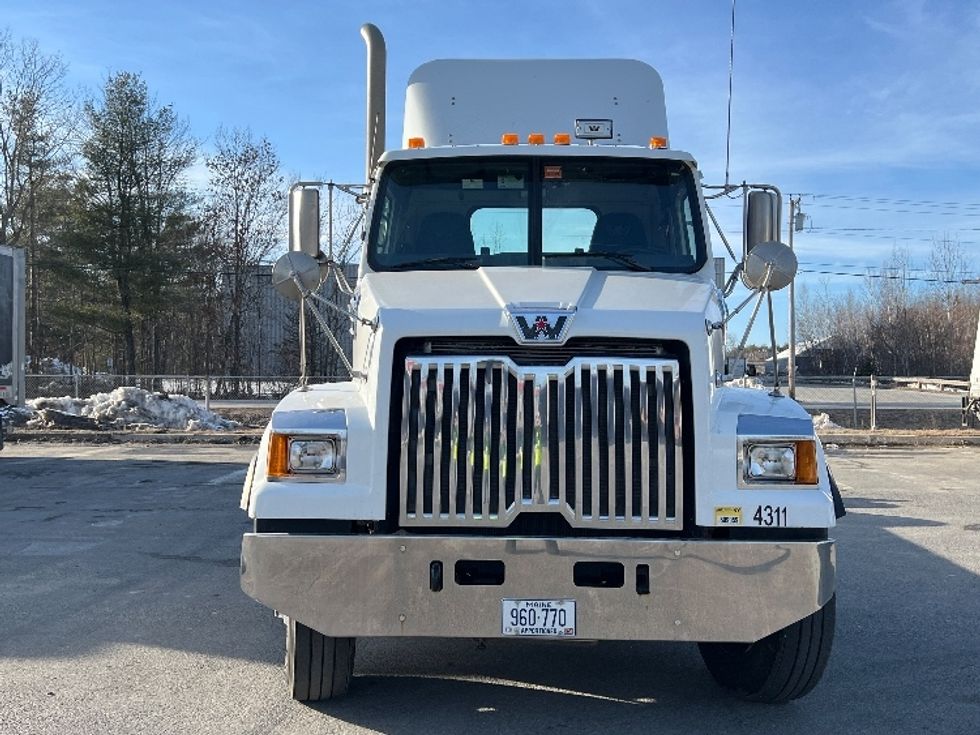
x=867 y=267
x=918 y=212
x=896 y=277
x=888 y=200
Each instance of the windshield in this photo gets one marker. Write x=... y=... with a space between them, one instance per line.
x=605 y=213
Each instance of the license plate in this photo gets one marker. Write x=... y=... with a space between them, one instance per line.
x=538 y=618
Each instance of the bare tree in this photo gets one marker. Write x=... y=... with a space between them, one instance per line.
x=35 y=135
x=244 y=215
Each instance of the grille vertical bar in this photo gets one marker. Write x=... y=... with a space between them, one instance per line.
x=470 y=444
x=579 y=446
x=660 y=423
x=594 y=449
x=484 y=458
x=541 y=475
x=560 y=470
x=454 y=441
x=598 y=441
x=504 y=456
x=519 y=490
x=628 y=442
x=420 y=446
x=645 y=467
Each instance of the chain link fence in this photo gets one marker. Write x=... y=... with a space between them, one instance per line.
x=847 y=401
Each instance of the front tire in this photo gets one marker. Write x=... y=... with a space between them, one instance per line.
x=318 y=667
x=783 y=666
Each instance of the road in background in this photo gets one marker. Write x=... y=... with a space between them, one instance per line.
x=842 y=396
x=122 y=613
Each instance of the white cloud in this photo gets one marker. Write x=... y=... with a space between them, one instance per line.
x=196 y=176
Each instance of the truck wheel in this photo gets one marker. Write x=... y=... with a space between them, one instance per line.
x=782 y=666
x=318 y=667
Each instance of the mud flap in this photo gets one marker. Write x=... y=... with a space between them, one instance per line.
x=839 y=510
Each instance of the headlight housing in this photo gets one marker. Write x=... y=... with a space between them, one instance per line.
x=773 y=461
x=313 y=457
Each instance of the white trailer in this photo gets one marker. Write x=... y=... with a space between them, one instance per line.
x=536 y=440
x=11 y=326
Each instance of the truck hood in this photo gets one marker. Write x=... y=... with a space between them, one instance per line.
x=606 y=303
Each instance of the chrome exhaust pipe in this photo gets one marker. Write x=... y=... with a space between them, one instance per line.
x=377 y=59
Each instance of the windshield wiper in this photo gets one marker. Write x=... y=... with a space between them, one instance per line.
x=622 y=258
x=465 y=261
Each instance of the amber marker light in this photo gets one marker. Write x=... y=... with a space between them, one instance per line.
x=510 y=139
x=278 y=455
x=658 y=141
x=806 y=462
x=563 y=139
x=536 y=139
x=416 y=142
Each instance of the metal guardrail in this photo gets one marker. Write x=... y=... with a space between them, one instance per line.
x=200 y=387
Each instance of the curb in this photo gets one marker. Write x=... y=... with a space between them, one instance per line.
x=907 y=439
x=68 y=436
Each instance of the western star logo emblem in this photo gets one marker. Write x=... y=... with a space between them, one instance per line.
x=542 y=325
x=541 y=328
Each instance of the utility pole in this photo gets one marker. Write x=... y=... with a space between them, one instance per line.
x=794 y=203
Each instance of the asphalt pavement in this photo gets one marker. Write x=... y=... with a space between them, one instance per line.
x=121 y=613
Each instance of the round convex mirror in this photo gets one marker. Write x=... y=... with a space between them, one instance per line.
x=304 y=267
x=769 y=266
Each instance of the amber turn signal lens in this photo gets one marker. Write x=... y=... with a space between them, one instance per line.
x=510 y=139
x=278 y=455
x=563 y=139
x=658 y=142
x=806 y=463
x=416 y=142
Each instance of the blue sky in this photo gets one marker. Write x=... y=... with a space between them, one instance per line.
x=872 y=109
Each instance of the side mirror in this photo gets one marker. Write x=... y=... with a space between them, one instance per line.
x=770 y=266
x=304 y=221
x=761 y=219
x=296 y=273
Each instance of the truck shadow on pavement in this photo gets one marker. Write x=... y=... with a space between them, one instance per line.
x=905 y=640
x=96 y=555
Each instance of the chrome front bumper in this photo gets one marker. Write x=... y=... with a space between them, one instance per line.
x=380 y=585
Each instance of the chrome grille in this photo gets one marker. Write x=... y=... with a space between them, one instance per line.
x=597 y=440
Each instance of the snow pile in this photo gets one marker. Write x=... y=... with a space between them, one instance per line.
x=746 y=382
x=54 y=366
x=126 y=408
x=822 y=422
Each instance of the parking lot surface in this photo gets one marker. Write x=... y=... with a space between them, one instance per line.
x=121 y=613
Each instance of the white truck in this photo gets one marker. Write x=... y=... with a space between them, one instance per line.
x=537 y=440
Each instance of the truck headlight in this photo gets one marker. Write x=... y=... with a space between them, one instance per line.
x=313 y=455
x=780 y=461
x=305 y=455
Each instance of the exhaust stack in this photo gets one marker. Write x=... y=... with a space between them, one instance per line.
x=377 y=58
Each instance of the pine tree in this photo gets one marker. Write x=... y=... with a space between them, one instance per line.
x=132 y=216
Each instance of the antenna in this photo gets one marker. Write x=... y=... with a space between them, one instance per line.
x=731 y=69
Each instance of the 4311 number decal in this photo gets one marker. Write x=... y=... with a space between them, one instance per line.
x=770 y=515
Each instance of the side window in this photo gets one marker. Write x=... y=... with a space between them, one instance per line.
x=384 y=224
x=499 y=230
x=566 y=229
x=689 y=234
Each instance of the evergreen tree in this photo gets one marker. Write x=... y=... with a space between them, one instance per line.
x=132 y=220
